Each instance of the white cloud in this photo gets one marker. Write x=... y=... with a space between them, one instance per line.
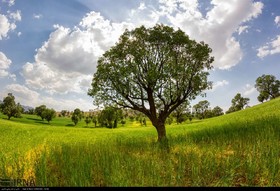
x=7 y=25
x=28 y=97
x=270 y=48
x=144 y=15
x=4 y=65
x=41 y=77
x=66 y=61
x=15 y=15
x=217 y=27
x=219 y=84
x=242 y=29
x=10 y=2
x=249 y=89
x=37 y=16
x=22 y=93
x=277 y=21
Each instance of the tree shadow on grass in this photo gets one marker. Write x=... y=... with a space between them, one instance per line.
x=70 y=125
x=38 y=121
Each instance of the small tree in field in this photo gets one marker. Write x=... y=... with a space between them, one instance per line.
x=76 y=116
x=268 y=87
x=217 y=111
x=201 y=109
x=49 y=114
x=238 y=103
x=75 y=119
x=152 y=70
x=39 y=111
x=10 y=108
x=87 y=120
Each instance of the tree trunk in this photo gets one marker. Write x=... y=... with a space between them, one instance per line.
x=161 y=132
x=162 y=139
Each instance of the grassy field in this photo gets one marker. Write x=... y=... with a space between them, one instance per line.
x=237 y=149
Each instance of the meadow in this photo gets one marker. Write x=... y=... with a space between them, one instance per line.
x=237 y=149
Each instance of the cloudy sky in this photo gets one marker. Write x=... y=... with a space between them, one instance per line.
x=49 y=48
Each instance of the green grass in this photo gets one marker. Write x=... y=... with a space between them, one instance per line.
x=237 y=149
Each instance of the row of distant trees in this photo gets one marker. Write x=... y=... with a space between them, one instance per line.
x=267 y=85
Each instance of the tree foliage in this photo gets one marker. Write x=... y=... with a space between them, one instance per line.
x=110 y=116
x=238 y=103
x=268 y=87
x=181 y=112
x=39 y=111
x=49 y=114
x=76 y=116
x=87 y=120
x=10 y=108
x=152 y=70
x=217 y=111
x=201 y=109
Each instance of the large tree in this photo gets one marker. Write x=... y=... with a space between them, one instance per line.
x=10 y=108
x=152 y=70
x=268 y=87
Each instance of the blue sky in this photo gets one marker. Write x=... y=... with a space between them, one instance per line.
x=49 y=48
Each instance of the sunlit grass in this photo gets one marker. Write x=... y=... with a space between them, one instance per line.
x=238 y=149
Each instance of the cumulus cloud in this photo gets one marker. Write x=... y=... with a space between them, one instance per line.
x=270 y=48
x=243 y=29
x=144 y=15
x=4 y=65
x=15 y=15
x=277 y=21
x=217 y=27
x=8 y=23
x=219 y=84
x=66 y=61
x=22 y=93
x=10 y=2
x=5 y=26
x=28 y=97
x=249 y=89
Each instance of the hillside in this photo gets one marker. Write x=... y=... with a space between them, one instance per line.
x=237 y=149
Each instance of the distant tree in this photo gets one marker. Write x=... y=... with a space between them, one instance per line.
x=180 y=113
x=201 y=109
x=268 y=87
x=109 y=117
x=76 y=116
x=217 y=111
x=75 y=119
x=160 y=69
x=94 y=120
x=63 y=113
x=123 y=122
x=238 y=103
x=31 y=111
x=20 y=110
x=78 y=112
x=39 y=111
x=169 y=120
x=49 y=114
x=10 y=108
x=87 y=120
x=144 y=121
